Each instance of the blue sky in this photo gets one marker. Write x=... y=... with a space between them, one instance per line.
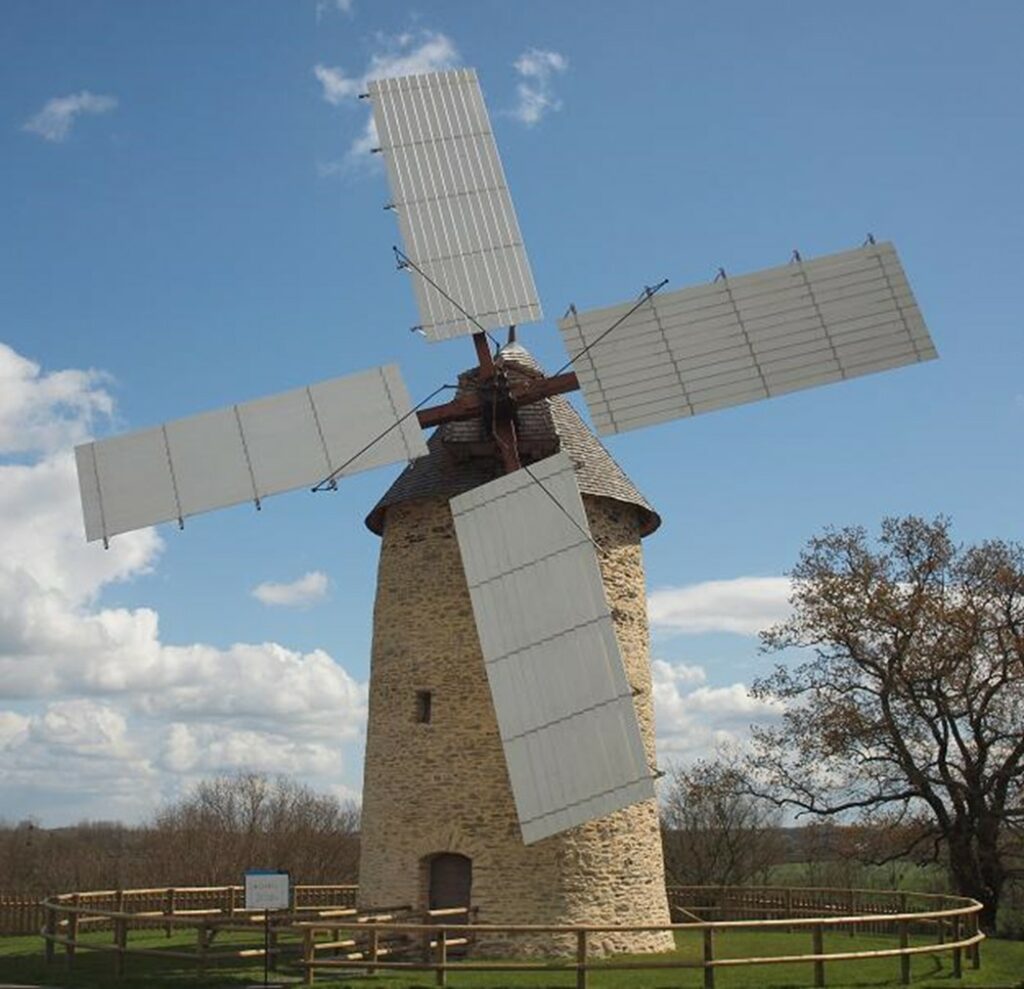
x=192 y=221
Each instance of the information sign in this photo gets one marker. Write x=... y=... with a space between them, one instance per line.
x=267 y=889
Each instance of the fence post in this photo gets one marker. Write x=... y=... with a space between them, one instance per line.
x=789 y=908
x=273 y=948
x=581 y=959
x=818 y=946
x=51 y=930
x=201 y=949
x=958 y=964
x=709 y=957
x=308 y=940
x=441 y=972
x=120 y=943
x=69 y=948
x=976 y=947
x=904 y=959
x=372 y=968
x=169 y=910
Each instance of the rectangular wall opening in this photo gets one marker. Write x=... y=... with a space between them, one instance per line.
x=424 y=699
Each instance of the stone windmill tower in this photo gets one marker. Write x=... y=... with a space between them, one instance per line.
x=439 y=824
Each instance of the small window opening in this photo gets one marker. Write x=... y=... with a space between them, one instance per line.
x=424 y=699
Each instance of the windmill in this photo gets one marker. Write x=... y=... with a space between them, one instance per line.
x=555 y=681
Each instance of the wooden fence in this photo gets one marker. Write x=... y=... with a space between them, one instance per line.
x=325 y=931
x=20 y=914
x=689 y=903
x=23 y=914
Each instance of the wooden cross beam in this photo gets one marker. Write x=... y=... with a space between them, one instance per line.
x=482 y=404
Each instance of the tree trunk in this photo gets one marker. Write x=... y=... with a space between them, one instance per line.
x=977 y=873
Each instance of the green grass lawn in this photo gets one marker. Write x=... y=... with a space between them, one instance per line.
x=22 y=962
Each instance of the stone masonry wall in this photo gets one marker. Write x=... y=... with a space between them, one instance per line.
x=443 y=786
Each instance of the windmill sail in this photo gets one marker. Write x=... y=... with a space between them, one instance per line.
x=453 y=206
x=747 y=338
x=564 y=706
x=246 y=452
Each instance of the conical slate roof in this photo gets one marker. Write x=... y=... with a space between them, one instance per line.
x=461 y=456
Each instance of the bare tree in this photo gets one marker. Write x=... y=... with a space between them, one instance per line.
x=911 y=714
x=231 y=823
x=714 y=832
x=210 y=836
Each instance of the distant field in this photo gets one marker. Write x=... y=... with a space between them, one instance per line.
x=897 y=875
x=21 y=962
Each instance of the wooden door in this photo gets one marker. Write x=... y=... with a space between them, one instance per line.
x=451 y=877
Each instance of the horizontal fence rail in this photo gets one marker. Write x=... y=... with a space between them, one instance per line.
x=21 y=913
x=324 y=930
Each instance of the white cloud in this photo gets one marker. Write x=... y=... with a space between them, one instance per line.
x=409 y=53
x=302 y=593
x=694 y=720
x=344 y=6
x=744 y=605
x=336 y=86
x=46 y=412
x=212 y=749
x=104 y=705
x=534 y=92
x=41 y=542
x=54 y=121
x=82 y=726
x=13 y=729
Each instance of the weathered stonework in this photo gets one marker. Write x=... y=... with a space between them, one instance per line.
x=443 y=786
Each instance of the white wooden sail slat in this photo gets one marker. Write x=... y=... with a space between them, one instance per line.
x=749 y=337
x=454 y=210
x=246 y=452
x=564 y=707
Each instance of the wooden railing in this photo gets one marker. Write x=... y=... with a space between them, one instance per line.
x=767 y=902
x=325 y=931
x=958 y=916
x=20 y=914
x=370 y=942
x=206 y=911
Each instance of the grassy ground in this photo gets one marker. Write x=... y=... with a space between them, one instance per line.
x=21 y=962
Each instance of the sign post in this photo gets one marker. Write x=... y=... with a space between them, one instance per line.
x=266 y=890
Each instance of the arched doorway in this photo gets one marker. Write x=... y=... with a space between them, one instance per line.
x=450 y=877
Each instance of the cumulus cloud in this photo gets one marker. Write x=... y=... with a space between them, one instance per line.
x=46 y=412
x=308 y=590
x=694 y=720
x=213 y=749
x=43 y=555
x=54 y=121
x=743 y=605
x=535 y=93
x=103 y=703
x=409 y=53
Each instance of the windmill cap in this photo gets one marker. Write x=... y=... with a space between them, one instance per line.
x=461 y=457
